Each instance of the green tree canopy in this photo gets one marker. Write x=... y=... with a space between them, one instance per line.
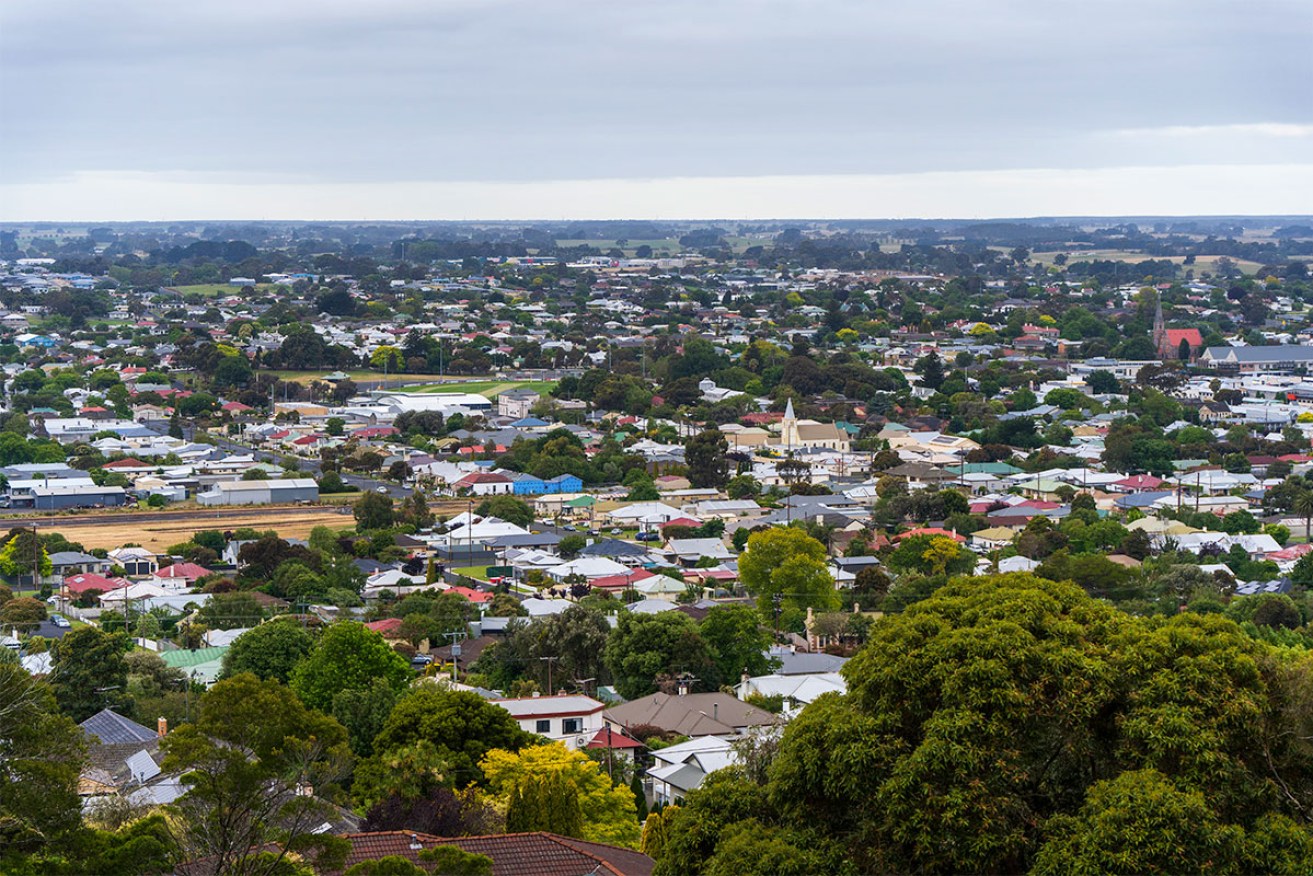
x=269 y=651
x=247 y=760
x=1010 y=722
x=787 y=561
x=645 y=646
x=348 y=656
x=90 y=672
x=460 y=726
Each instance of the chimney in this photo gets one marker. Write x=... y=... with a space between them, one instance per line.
x=162 y=727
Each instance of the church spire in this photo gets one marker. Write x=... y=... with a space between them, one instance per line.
x=1159 y=329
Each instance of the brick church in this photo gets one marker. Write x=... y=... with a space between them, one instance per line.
x=1168 y=341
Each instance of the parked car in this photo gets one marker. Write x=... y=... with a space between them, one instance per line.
x=60 y=621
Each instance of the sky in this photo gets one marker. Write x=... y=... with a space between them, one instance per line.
x=576 y=109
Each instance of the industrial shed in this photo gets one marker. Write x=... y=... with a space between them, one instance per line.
x=277 y=492
x=55 y=496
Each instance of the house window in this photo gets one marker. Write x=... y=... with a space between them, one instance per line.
x=544 y=727
x=570 y=725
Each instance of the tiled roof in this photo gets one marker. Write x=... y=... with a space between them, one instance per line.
x=512 y=854
x=111 y=728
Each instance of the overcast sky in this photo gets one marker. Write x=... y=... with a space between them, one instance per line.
x=345 y=109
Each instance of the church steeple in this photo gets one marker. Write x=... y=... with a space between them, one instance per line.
x=1159 y=330
x=789 y=427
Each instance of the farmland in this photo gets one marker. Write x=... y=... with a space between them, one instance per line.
x=157 y=531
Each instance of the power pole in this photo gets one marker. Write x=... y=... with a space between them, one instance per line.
x=550 y=662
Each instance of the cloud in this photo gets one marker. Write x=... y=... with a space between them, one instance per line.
x=346 y=93
x=1192 y=190
x=1271 y=130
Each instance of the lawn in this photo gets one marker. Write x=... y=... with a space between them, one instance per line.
x=358 y=376
x=1203 y=263
x=483 y=388
x=670 y=245
x=222 y=290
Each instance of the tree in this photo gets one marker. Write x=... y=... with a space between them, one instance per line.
x=542 y=783
x=22 y=552
x=23 y=614
x=576 y=638
x=931 y=369
x=643 y=646
x=1141 y=822
x=743 y=486
x=1303 y=506
x=363 y=711
x=90 y=672
x=543 y=802
x=738 y=641
x=348 y=656
x=1103 y=383
x=508 y=508
x=247 y=760
x=42 y=752
x=268 y=651
x=788 y=562
x=231 y=611
x=704 y=454
x=457 y=727
x=570 y=546
x=373 y=511
x=991 y=711
x=438 y=810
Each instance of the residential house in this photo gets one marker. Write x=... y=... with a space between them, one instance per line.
x=690 y=714
x=568 y=718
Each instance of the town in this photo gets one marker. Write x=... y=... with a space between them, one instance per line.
x=654 y=547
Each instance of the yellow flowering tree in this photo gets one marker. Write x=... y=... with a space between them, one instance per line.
x=607 y=810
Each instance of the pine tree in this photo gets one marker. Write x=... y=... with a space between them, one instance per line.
x=640 y=799
x=175 y=424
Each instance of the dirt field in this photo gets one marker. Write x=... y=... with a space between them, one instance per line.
x=154 y=533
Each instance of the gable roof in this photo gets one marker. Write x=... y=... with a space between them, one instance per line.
x=513 y=854
x=700 y=714
x=111 y=728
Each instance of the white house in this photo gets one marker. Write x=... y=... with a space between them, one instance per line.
x=567 y=718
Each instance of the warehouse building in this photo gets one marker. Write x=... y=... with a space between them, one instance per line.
x=279 y=492
x=56 y=496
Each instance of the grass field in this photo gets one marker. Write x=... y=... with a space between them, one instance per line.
x=222 y=290
x=1203 y=263
x=488 y=388
x=289 y=523
x=358 y=376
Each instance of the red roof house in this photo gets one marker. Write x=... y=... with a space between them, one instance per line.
x=86 y=582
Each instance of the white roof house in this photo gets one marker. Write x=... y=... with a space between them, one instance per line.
x=570 y=719
x=588 y=567
x=645 y=512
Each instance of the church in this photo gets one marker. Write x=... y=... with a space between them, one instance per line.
x=1168 y=341
x=798 y=434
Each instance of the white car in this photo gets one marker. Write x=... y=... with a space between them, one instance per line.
x=60 y=621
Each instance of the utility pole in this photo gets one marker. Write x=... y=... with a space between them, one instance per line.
x=550 y=661
x=456 y=638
